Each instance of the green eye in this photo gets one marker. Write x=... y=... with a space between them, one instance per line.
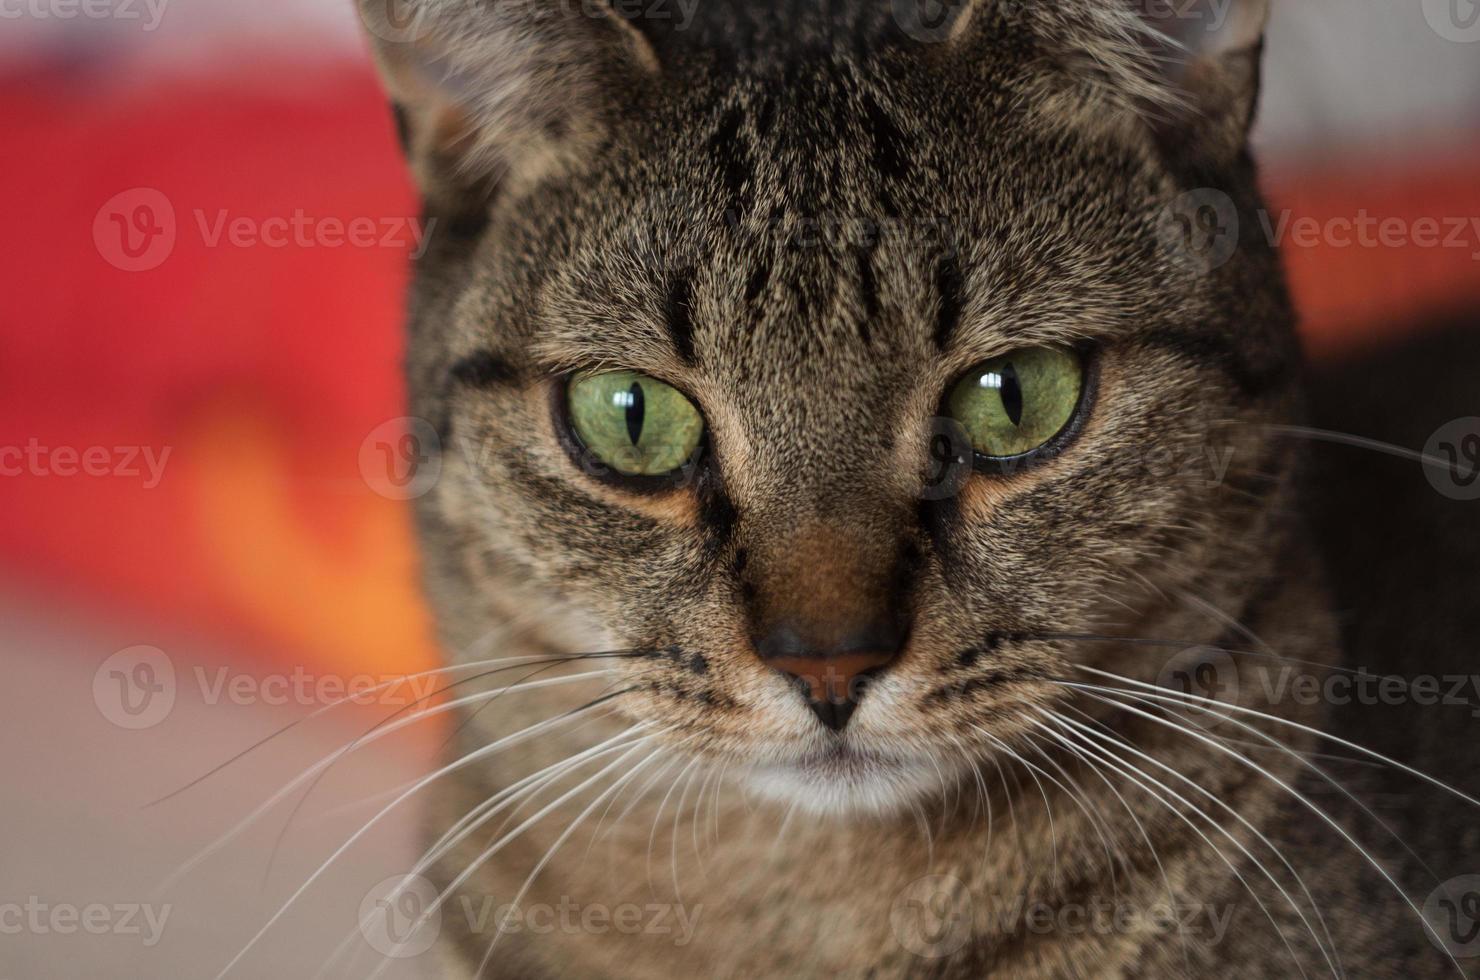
x=632 y=423
x=1012 y=405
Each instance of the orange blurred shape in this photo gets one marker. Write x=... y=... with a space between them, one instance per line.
x=320 y=562
x=1373 y=246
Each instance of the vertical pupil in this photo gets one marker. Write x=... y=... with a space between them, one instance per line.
x=634 y=412
x=1012 y=394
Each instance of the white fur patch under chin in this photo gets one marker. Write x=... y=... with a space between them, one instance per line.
x=852 y=787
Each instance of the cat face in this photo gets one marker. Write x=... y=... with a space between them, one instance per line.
x=851 y=391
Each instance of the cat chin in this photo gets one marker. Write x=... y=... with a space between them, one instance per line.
x=851 y=785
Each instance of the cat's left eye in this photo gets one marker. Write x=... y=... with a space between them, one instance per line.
x=634 y=424
x=1018 y=405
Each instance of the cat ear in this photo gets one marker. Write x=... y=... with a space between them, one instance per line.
x=493 y=96
x=1187 y=69
x=1208 y=53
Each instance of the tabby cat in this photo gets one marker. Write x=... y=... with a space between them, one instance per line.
x=868 y=530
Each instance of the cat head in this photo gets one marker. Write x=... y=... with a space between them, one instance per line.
x=852 y=367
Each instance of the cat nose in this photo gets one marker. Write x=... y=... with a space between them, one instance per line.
x=832 y=677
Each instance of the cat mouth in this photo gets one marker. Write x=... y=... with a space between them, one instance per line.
x=839 y=760
x=844 y=778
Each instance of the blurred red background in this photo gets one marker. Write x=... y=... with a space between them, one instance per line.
x=263 y=370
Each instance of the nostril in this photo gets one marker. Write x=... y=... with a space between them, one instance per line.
x=883 y=638
x=781 y=642
x=836 y=679
x=824 y=683
x=799 y=683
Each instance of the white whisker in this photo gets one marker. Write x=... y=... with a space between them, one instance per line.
x=467 y=760
x=485 y=811
x=1156 y=788
x=1333 y=958
x=1048 y=807
x=524 y=889
x=1305 y=802
x=1416 y=773
x=323 y=765
x=1073 y=747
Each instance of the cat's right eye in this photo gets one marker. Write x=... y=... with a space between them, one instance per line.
x=634 y=424
x=1015 y=406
